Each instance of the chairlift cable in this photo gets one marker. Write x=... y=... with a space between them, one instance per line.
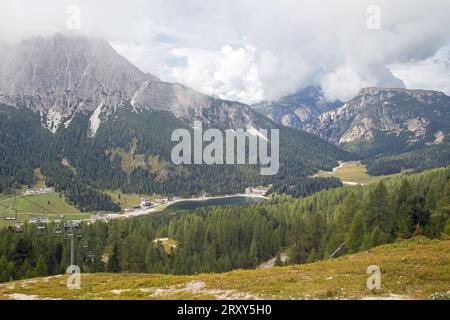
x=45 y=209
x=38 y=205
x=338 y=249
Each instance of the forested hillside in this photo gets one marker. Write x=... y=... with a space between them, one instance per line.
x=219 y=239
x=131 y=152
x=418 y=160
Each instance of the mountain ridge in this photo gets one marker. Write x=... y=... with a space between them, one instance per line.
x=395 y=119
x=298 y=108
x=131 y=119
x=60 y=76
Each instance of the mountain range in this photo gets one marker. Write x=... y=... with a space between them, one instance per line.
x=391 y=129
x=65 y=75
x=82 y=119
x=81 y=112
x=382 y=120
x=90 y=120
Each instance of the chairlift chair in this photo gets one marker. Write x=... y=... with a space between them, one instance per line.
x=18 y=227
x=89 y=257
x=58 y=229
x=41 y=229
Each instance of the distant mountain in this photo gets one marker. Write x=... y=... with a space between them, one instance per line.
x=386 y=121
x=296 y=109
x=91 y=121
x=61 y=76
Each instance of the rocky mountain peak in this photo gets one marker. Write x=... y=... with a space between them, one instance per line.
x=390 y=92
x=377 y=116
x=62 y=75
x=298 y=108
x=84 y=66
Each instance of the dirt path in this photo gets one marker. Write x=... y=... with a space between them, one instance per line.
x=271 y=262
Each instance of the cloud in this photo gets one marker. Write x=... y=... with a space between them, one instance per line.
x=231 y=73
x=346 y=81
x=240 y=73
x=249 y=50
x=432 y=73
x=343 y=83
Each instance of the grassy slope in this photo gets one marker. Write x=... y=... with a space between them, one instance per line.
x=414 y=269
x=51 y=201
x=126 y=200
x=55 y=202
x=353 y=172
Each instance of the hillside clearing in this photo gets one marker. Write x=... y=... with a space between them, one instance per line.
x=52 y=202
x=352 y=173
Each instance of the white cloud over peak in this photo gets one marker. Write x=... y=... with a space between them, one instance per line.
x=432 y=73
x=249 y=50
x=231 y=73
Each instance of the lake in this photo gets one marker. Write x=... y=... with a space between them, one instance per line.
x=190 y=205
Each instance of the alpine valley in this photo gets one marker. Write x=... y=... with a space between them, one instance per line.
x=90 y=120
x=78 y=118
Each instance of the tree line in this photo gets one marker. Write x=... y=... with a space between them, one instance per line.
x=218 y=239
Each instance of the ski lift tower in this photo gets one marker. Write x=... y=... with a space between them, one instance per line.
x=73 y=230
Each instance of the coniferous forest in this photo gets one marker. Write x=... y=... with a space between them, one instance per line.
x=286 y=150
x=217 y=239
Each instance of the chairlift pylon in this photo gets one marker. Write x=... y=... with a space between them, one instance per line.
x=12 y=207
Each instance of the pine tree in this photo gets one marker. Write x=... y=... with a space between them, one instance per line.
x=4 y=276
x=41 y=267
x=113 y=261
x=27 y=269
x=377 y=237
x=379 y=212
x=357 y=233
x=253 y=252
x=440 y=218
x=299 y=249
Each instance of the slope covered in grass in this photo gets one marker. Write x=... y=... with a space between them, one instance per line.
x=31 y=206
x=414 y=269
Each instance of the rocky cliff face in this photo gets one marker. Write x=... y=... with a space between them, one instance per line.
x=297 y=109
x=411 y=117
x=63 y=75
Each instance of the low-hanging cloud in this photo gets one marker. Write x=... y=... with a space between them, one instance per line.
x=251 y=50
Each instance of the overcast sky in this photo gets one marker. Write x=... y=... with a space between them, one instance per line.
x=250 y=50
